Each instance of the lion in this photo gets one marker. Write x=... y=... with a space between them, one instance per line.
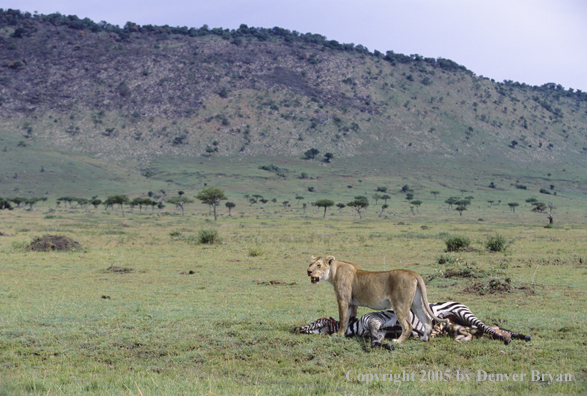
x=400 y=290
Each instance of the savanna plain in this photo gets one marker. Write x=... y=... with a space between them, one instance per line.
x=144 y=307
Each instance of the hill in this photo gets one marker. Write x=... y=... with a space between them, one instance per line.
x=87 y=106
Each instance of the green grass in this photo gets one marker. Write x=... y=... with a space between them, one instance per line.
x=196 y=318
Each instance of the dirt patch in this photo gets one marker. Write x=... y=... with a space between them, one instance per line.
x=492 y=286
x=190 y=272
x=119 y=270
x=274 y=282
x=49 y=243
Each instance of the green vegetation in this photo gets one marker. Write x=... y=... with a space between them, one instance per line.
x=456 y=243
x=212 y=196
x=130 y=312
x=124 y=315
x=497 y=243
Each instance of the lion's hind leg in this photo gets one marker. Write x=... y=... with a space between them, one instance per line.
x=403 y=319
x=420 y=312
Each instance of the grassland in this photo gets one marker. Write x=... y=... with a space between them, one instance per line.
x=125 y=316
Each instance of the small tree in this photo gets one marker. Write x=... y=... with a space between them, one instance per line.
x=383 y=209
x=340 y=207
x=230 y=205
x=328 y=157
x=119 y=200
x=461 y=209
x=324 y=203
x=360 y=203
x=435 y=193
x=311 y=154
x=263 y=201
x=451 y=201
x=180 y=202
x=5 y=204
x=18 y=201
x=385 y=197
x=139 y=202
x=299 y=198
x=513 y=206
x=211 y=196
x=376 y=197
x=381 y=189
x=33 y=201
x=96 y=202
x=545 y=209
x=285 y=203
x=417 y=204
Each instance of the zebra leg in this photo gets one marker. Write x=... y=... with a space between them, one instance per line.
x=517 y=336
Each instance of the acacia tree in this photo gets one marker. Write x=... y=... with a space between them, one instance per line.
x=385 y=197
x=461 y=209
x=96 y=202
x=435 y=193
x=230 y=205
x=311 y=154
x=212 y=196
x=360 y=203
x=324 y=203
x=417 y=204
x=513 y=205
x=451 y=201
x=180 y=202
x=545 y=209
x=5 y=204
x=119 y=200
x=340 y=207
x=383 y=207
x=376 y=197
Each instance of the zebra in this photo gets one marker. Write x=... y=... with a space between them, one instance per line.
x=463 y=325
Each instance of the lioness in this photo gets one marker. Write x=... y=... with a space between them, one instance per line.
x=400 y=290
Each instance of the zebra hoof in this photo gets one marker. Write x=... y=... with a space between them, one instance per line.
x=389 y=347
x=507 y=341
x=528 y=337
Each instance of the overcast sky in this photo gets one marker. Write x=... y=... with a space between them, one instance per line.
x=530 y=41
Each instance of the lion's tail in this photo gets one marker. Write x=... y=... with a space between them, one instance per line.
x=422 y=287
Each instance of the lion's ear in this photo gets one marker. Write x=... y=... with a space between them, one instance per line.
x=313 y=258
x=330 y=259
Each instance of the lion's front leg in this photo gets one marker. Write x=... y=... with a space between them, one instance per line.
x=345 y=309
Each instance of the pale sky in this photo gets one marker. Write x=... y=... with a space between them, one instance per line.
x=529 y=41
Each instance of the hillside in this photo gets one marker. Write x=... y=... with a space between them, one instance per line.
x=123 y=101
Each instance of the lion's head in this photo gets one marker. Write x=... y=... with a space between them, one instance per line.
x=320 y=268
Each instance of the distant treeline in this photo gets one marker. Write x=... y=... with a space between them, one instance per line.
x=15 y=17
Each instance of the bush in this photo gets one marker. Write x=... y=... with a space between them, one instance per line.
x=208 y=237
x=496 y=243
x=255 y=251
x=446 y=259
x=456 y=243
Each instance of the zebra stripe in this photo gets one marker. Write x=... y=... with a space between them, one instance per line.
x=379 y=324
